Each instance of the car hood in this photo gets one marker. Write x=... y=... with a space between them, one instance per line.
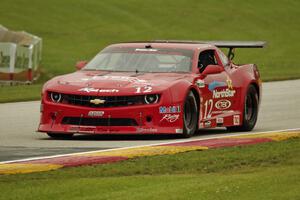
x=93 y=82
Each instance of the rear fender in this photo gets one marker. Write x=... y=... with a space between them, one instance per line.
x=248 y=74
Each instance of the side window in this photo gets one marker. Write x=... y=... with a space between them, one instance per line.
x=223 y=58
x=206 y=57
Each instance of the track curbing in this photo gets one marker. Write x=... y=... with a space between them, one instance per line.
x=115 y=155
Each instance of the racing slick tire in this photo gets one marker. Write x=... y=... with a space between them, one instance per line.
x=60 y=136
x=250 y=111
x=190 y=116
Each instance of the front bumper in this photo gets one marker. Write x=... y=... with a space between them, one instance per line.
x=149 y=119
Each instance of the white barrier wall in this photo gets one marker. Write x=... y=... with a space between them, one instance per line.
x=19 y=52
x=7 y=57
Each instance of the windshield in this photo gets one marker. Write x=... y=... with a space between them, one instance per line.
x=142 y=60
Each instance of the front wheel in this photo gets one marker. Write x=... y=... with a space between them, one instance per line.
x=190 y=118
x=250 y=111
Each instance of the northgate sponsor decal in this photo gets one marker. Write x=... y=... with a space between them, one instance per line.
x=223 y=93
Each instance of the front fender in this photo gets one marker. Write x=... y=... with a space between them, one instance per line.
x=179 y=91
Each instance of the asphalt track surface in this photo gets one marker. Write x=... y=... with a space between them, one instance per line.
x=280 y=110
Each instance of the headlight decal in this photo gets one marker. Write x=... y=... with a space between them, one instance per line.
x=56 y=97
x=151 y=98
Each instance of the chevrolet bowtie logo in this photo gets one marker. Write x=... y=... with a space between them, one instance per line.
x=97 y=101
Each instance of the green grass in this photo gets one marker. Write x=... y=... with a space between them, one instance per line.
x=264 y=171
x=20 y=93
x=75 y=30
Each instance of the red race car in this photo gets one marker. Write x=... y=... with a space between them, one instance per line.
x=154 y=87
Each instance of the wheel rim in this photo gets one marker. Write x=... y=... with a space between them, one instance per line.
x=188 y=114
x=249 y=107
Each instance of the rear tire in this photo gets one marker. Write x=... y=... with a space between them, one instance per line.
x=250 y=111
x=190 y=116
x=60 y=135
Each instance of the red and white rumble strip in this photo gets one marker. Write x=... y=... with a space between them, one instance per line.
x=114 y=155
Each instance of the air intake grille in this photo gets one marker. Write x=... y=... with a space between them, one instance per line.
x=99 y=121
x=108 y=101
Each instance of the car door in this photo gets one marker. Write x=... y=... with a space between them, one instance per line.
x=216 y=96
x=231 y=110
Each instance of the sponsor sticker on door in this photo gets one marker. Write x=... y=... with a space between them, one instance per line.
x=236 y=120
x=220 y=120
x=222 y=104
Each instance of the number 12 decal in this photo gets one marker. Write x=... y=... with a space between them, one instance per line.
x=145 y=89
x=208 y=105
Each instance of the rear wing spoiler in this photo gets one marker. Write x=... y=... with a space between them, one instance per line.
x=231 y=45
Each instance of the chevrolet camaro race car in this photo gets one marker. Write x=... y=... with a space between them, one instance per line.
x=154 y=87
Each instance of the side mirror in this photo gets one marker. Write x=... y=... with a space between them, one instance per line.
x=212 y=69
x=80 y=64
